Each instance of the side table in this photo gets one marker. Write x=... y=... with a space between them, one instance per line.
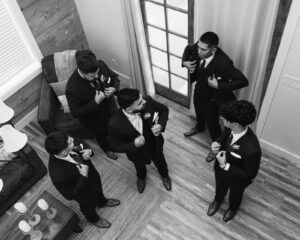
x=58 y=228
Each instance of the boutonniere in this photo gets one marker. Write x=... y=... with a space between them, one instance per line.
x=155 y=118
x=147 y=115
x=235 y=146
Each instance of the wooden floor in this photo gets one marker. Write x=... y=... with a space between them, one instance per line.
x=270 y=208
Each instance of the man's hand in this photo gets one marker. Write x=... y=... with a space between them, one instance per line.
x=221 y=157
x=109 y=91
x=83 y=169
x=212 y=82
x=99 y=97
x=86 y=153
x=190 y=65
x=156 y=129
x=139 y=141
x=215 y=147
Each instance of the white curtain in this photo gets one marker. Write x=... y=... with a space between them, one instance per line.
x=138 y=51
x=245 y=29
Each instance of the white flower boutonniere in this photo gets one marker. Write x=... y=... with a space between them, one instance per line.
x=147 y=115
x=235 y=146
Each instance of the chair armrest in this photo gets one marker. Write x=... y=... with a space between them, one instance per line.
x=32 y=158
x=47 y=107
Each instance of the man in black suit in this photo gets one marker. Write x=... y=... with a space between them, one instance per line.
x=215 y=77
x=136 y=130
x=89 y=92
x=238 y=157
x=75 y=177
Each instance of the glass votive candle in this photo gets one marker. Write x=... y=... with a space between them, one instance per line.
x=50 y=212
x=21 y=208
x=26 y=228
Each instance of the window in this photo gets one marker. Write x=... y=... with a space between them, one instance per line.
x=168 y=30
x=20 y=56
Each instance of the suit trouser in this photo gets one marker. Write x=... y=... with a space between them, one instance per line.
x=207 y=112
x=236 y=191
x=100 y=133
x=88 y=208
x=159 y=161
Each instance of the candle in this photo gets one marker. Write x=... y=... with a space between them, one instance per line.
x=24 y=226
x=43 y=204
x=20 y=207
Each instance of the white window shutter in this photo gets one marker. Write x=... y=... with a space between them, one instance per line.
x=14 y=55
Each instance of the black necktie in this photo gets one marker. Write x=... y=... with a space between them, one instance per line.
x=229 y=141
x=202 y=66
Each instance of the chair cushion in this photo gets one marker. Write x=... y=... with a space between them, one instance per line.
x=60 y=88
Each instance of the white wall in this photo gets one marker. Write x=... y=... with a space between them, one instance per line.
x=102 y=21
x=279 y=122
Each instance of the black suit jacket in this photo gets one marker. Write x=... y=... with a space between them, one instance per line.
x=80 y=95
x=121 y=133
x=222 y=67
x=70 y=183
x=244 y=158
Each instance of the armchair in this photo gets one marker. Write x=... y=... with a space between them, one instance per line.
x=50 y=115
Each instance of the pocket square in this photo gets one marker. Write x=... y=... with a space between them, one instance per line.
x=235 y=155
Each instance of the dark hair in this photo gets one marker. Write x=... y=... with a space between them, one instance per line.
x=56 y=142
x=210 y=38
x=127 y=96
x=242 y=112
x=88 y=63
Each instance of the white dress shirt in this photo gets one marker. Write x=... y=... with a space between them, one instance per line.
x=136 y=121
x=207 y=60
x=235 y=137
x=68 y=158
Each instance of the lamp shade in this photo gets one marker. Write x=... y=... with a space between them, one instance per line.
x=6 y=113
x=12 y=138
x=1 y=184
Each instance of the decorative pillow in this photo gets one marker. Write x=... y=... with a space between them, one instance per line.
x=59 y=88
x=13 y=175
x=6 y=156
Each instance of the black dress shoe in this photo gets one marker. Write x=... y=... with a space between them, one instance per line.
x=102 y=223
x=140 y=183
x=110 y=203
x=111 y=155
x=77 y=229
x=167 y=183
x=191 y=132
x=210 y=156
x=213 y=208
x=229 y=214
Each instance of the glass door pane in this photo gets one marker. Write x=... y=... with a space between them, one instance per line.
x=159 y=58
x=178 y=22
x=183 y=4
x=177 y=44
x=157 y=38
x=155 y=15
x=179 y=85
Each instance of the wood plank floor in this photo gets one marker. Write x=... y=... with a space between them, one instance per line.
x=270 y=208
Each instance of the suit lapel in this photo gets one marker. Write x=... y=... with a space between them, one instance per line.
x=126 y=124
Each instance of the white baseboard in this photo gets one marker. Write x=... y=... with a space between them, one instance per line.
x=27 y=119
x=280 y=152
